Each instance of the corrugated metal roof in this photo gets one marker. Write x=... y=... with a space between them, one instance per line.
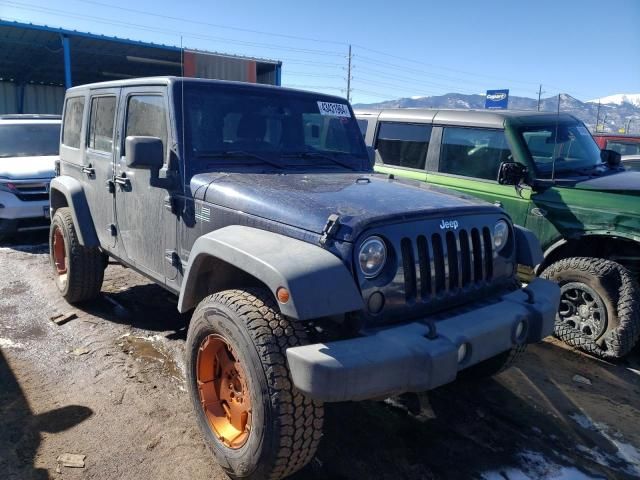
x=33 y=54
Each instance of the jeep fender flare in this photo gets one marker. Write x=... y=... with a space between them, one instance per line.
x=72 y=191
x=318 y=282
x=528 y=249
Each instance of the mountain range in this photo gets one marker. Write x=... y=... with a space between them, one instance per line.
x=615 y=110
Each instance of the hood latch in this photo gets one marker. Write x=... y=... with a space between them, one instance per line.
x=330 y=228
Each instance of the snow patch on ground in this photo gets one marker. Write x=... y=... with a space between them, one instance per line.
x=626 y=452
x=536 y=467
x=8 y=343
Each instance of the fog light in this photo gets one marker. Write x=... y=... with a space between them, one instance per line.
x=520 y=329
x=462 y=352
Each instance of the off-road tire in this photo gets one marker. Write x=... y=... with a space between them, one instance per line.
x=619 y=293
x=286 y=426
x=85 y=271
x=494 y=365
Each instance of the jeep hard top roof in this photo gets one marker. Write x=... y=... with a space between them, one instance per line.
x=170 y=80
x=476 y=118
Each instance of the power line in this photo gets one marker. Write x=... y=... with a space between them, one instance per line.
x=66 y=14
x=208 y=24
x=442 y=68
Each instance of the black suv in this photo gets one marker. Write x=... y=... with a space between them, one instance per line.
x=313 y=280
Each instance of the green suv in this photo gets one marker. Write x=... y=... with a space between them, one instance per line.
x=548 y=173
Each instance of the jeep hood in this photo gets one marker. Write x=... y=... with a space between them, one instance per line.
x=622 y=182
x=27 y=168
x=307 y=200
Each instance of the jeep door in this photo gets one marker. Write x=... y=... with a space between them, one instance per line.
x=468 y=159
x=98 y=162
x=146 y=228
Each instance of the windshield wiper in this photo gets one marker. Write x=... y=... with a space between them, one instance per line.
x=239 y=154
x=319 y=155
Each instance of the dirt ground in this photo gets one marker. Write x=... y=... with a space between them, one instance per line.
x=110 y=385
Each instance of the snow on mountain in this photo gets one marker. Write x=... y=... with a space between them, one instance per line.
x=619 y=99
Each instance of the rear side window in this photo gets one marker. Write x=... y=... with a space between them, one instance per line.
x=74 y=108
x=147 y=117
x=403 y=144
x=473 y=152
x=623 y=147
x=103 y=110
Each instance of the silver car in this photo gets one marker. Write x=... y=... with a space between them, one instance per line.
x=29 y=146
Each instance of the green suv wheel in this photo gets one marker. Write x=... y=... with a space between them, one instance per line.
x=599 y=309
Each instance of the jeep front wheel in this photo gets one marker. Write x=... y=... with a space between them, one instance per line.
x=77 y=269
x=599 y=309
x=254 y=420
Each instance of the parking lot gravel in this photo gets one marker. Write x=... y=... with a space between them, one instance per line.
x=109 y=385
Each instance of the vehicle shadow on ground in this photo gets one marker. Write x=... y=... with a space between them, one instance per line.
x=141 y=306
x=465 y=429
x=20 y=429
x=29 y=242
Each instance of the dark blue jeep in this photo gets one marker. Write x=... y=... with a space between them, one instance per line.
x=312 y=278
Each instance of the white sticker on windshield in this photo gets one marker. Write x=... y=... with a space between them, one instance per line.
x=334 y=109
x=582 y=130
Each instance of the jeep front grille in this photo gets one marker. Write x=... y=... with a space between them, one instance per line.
x=442 y=263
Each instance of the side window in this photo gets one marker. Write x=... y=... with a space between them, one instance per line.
x=363 y=124
x=72 y=125
x=103 y=110
x=147 y=117
x=403 y=144
x=473 y=152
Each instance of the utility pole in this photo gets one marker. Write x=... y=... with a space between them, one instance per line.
x=626 y=130
x=598 y=117
x=604 y=122
x=349 y=75
x=540 y=92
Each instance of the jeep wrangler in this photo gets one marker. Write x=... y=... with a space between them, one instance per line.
x=311 y=278
x=549 y=175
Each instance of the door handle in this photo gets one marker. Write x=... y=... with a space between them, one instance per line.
x=498 y=204
x=90 y=171
x=122 y=180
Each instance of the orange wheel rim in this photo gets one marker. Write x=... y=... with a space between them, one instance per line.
x=224 y=394
x=59 y=252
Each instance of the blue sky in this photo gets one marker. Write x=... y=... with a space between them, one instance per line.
x=586 y=48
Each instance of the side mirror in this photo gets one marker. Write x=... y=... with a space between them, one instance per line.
x=611 y=158
x=511 y=173
x=144 y=152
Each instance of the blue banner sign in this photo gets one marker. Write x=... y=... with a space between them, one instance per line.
x=497 y=99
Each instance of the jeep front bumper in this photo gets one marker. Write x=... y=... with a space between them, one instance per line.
x=410 y=358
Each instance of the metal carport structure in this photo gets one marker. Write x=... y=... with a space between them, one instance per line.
x=37 y=63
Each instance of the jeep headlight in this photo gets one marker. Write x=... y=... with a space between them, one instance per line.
x=500 y=235
x=372 y=256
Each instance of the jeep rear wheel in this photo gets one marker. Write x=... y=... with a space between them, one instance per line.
x=599 y=309
x=254 y=421
x=77 y=269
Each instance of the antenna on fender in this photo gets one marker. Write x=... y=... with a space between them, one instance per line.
x=555 y=144
x=182 y=120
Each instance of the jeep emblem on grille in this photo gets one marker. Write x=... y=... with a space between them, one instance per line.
x=449 y=224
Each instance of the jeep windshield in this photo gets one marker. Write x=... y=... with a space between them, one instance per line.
x=561 y=150
x=271 y=127
x=29 y=140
